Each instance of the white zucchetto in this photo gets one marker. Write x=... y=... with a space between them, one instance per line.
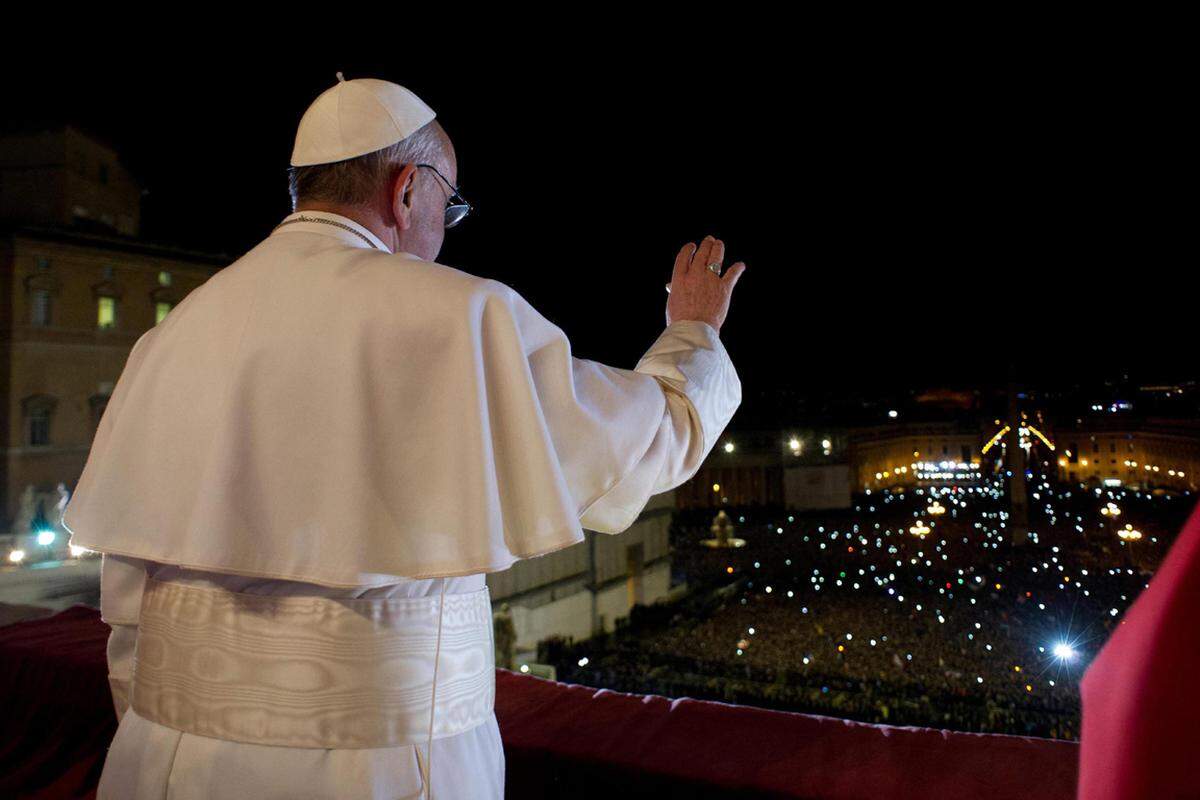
x=356 y=117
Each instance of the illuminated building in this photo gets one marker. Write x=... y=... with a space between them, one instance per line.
x=904 y=454
x=1153 y=453
x=77 y=288
x=795 y=468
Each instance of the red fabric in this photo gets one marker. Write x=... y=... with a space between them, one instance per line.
x=559 y=739
x=57 y=717
x=1140 y=706
x=576 y=741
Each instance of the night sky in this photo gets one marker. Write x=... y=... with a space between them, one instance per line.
x=908 y=218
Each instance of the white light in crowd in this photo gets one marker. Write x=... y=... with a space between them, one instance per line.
x=729 y=447
x=524 y=668
x=825 y=443
x=16 y=556
x=1064 y=651
x=45 y=537
x=583 y=662
x=893 y=413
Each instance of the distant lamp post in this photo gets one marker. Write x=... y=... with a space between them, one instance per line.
x=1130 y=534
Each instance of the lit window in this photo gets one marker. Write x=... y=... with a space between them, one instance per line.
x=160 y=311
x=107 y=313
x=164 y=278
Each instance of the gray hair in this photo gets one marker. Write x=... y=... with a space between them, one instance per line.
x=355 y=180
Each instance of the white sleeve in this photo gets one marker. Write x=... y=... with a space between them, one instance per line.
x=702 y=392
x=122 y=581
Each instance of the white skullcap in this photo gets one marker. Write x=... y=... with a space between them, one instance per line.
x=357 y=117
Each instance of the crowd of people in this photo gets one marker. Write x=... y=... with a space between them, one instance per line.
x=854 y=615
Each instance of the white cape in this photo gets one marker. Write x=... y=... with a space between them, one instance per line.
x=322 y=411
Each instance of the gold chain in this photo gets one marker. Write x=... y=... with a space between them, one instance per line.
x=302 y=218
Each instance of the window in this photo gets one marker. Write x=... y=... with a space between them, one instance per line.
x=39 y=427
x=106 y=317
x=39 y=308
x=38 y=410
x=160 y=311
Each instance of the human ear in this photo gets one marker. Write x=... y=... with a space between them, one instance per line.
x=402 y=196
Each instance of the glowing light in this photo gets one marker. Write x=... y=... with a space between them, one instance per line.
x=920 y=529
x=996 y=439
x=893 y=413
x=1130 y=534
x=45 y=537
x=729 y=447
x=16 y=556
x=1041 y=436
x=1064 y=651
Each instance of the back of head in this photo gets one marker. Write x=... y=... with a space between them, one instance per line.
x=355 y=181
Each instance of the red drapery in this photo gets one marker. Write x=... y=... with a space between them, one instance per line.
x=1139 y=694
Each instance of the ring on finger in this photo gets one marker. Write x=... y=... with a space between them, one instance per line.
x=716 y=268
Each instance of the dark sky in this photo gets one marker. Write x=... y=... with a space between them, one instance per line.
x=908 y=218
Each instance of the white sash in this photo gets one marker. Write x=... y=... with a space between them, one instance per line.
x=313 y=671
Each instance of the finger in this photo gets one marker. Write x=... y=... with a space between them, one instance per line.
x=735 y=272
x=716 y=255
x=683 y=259
x=701 y=256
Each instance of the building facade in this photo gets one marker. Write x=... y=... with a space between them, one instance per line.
x=1148 y=453
x=585 y=589
x=915 y=453
x=77 y=288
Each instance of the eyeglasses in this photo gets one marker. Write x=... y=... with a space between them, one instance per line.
x=455 y=211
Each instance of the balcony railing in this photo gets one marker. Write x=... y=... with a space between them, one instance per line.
x=560 y=740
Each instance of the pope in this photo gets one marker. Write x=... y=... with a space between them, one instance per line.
x=306 y=471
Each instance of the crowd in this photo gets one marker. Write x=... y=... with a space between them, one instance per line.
x=850 y=614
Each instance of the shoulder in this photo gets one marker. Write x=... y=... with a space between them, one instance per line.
x=401 y=270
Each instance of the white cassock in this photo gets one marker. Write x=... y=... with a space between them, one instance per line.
x=299 y=483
